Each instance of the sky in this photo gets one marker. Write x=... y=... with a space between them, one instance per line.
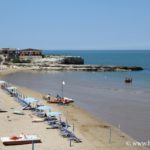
x=75 y=24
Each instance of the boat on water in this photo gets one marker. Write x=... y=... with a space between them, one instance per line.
x=20 y=140
x=128 y=80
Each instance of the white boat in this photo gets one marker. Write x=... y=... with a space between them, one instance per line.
x=69 y=99
x=20 y=140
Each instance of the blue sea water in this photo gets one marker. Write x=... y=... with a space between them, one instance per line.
x=109 y=57
x=102 y=93
x=115 y=57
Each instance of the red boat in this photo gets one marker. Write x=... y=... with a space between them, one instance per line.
x=20 y=140
x=64 y=100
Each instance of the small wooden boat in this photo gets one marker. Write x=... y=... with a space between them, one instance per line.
x=20 y=140
x=128 y=80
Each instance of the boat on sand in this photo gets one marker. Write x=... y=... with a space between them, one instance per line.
x=20 y=140
x=60 y=100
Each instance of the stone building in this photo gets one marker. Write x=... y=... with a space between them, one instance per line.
x=9 y=53
x=29 y=54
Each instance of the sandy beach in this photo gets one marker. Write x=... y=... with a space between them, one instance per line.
x=93 y=132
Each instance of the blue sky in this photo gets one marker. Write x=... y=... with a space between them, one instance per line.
x=75 y=24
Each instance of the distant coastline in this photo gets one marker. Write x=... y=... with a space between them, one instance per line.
x=37 y=59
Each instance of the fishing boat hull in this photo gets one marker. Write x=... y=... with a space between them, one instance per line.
x=8 y=143
x=20 y=141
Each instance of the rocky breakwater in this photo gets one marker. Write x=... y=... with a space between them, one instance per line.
x=96 y=68
x=72 y=60
x=71 y=63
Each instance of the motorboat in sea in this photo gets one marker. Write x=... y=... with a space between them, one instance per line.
x=128 y=80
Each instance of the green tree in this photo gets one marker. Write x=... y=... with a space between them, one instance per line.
x=1 y=59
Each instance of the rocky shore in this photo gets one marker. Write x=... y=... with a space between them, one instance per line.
x=71 y=67
x=55 y=62
x=95 y=68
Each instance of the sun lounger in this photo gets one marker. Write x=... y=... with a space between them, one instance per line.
x=28 y=107
x=65 y=134
x=2 y=110
x=52 y=122
x=18 y=112
x=64 y=124
x=68 y=134
x=50 y=118
x=54 y=126
x=37 y=120
x=74 y=138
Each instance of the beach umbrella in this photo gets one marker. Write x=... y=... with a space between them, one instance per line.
x=12 y=89
x=54 y=114
x=2 y=82
x=44 y=108
x=30 y=100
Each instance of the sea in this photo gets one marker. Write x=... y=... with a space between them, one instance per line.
x=104 y=94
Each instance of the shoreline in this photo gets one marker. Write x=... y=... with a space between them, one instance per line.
x=88 y=127
x=82 y=67
x=12 y=70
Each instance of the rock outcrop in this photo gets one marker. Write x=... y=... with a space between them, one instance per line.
x=94 y=68
x=73 y=60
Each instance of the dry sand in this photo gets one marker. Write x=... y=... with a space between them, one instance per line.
x=93 y=132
